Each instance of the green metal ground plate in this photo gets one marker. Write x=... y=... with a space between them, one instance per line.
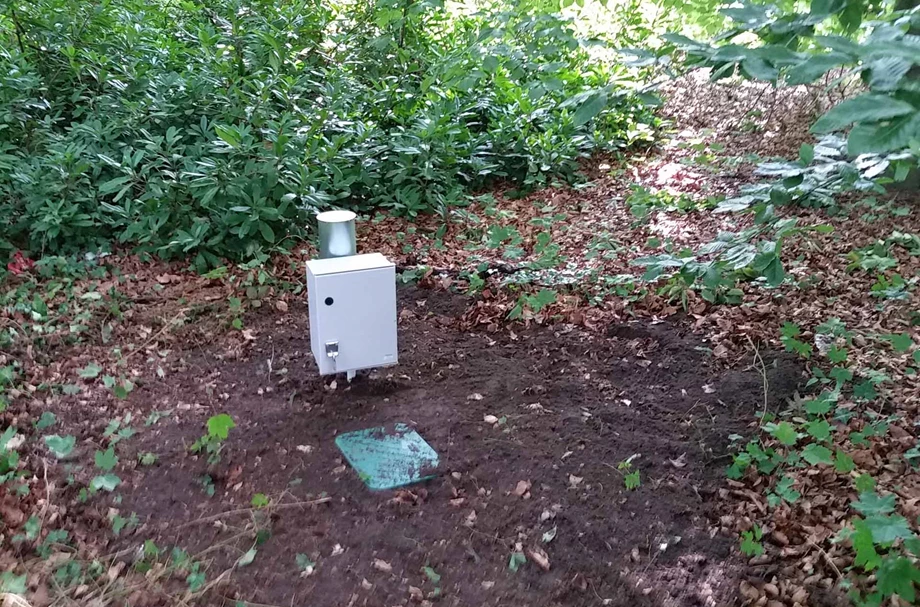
x=388 y=457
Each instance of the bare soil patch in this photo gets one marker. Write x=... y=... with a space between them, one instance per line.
x=571 y=405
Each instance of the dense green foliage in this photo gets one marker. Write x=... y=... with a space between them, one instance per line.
x=218 y=128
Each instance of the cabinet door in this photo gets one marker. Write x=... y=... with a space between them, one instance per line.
x=358 y=311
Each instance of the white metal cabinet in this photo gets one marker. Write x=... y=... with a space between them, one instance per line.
x=352 y=312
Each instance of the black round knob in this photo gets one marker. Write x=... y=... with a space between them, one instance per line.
x=329 y=301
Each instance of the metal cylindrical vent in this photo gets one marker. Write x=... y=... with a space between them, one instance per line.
x=336 y=234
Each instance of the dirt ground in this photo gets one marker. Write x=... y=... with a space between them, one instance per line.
x=571 y=405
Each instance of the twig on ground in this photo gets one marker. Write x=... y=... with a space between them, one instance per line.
x=209 y=519
x=761 y=368
x=827 y=558
x=156 y=335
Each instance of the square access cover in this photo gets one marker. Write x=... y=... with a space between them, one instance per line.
x=389 y=456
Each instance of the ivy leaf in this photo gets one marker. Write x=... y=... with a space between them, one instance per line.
x=820 y=429
x=104 y=481
x=870 y=503
x=865 y=390
x=60 y=446
x=864 y=483
x=790 y=329
x=888 y=529
x=901 y=342
x=837 y=355
x=13 y=584
x=90 y=371
x=841 y=374
x=818 y=406
x=46 y=420
x=219 y=426
x=843 y=463
x=106 y=460
x=817 y=454
x=866 y=556
x=259 y=500
x=897 y=575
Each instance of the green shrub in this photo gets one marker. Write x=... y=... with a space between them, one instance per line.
x=218 y=129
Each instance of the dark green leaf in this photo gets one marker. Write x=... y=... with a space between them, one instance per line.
x=897 y=575
x=866 y=556
x=267 y=233
x=590 y=108
x=865 y=108
x=813 y=68
x=890 y=136
x=901 y=342
x=806 y=154
x=865 y=390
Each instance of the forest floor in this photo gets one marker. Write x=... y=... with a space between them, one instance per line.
x=538 y=421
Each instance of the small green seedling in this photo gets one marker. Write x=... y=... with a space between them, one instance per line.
x=148 y=458
x=750 y=542
x=517 y=559
x=212 y=443
x=631 y=480
x=304 y=564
